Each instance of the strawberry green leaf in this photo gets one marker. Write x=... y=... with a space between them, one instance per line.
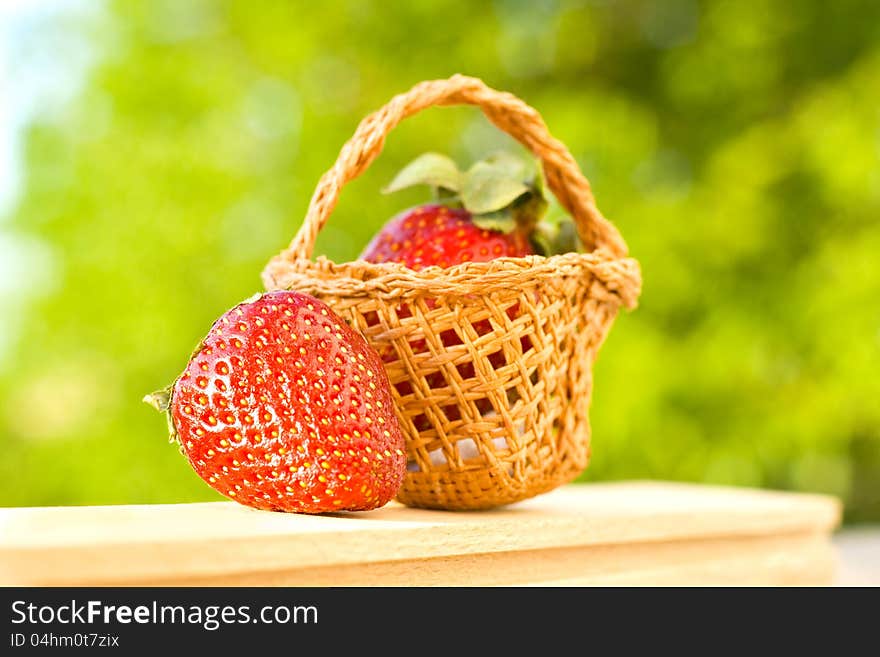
x=510 y=165
x=530 y=170
x=431 y=169
x=539 y=181
x=541 y=242
x=161 y=401
x=552 y=237
x=488 y=187
x=567 y=240
x=501 y=220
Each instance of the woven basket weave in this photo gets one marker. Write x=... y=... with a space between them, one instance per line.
x=491 y=363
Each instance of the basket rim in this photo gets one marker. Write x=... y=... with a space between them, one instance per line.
x=619 y=276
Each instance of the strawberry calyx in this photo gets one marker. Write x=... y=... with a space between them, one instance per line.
x=502 y=192
x=553 y=237
x=161 y=401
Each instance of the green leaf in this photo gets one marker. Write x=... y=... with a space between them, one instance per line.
x=429 y=169
x=489 y=187
x=502 y=220
x=554 y=237
x=539 y=182
x=542 y=243
x=567 y=240
x=510 y=165
x=160 y=400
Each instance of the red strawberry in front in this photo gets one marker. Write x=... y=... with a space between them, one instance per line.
x=284 y=407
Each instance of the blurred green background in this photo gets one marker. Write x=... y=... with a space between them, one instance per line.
x=735 y=144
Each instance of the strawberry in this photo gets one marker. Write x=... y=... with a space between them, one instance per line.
x=284 y=407
x=438 y=235
x=490 y=211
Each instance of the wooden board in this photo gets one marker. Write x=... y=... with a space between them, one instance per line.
x=626 y=533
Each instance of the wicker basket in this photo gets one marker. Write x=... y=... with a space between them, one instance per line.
x=491 y=363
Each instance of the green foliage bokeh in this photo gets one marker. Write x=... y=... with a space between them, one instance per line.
x=735 y=144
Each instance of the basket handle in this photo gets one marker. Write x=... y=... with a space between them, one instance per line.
x=508 y=113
